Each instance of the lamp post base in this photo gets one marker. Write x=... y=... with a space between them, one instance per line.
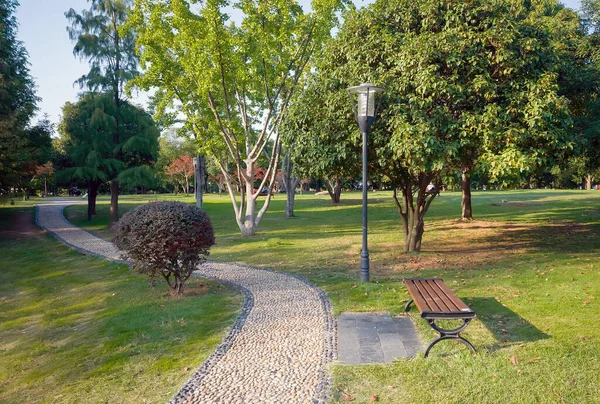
x=364 y=266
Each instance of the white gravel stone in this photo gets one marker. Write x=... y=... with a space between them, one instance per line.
x=278 y=347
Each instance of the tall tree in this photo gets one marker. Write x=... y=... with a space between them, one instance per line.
x=233 y=82
x=325 y=142
x=17 y=100
x=460 y=76
x=586 y=91
x=87 y=128
x=110 y=51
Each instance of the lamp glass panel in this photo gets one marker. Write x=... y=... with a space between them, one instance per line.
x=366 y=103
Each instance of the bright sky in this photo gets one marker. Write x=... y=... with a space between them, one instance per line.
x=42 y=27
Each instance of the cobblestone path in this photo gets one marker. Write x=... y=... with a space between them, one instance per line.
x=277 y=349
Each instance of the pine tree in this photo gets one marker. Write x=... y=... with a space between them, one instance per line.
x=17 y=99
x=86 y=135
x=111 y=55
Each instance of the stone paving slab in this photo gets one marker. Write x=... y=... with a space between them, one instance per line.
x=276 y=351
x=375 y=338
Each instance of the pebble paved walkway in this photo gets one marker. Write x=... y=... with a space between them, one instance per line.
x=277 y=349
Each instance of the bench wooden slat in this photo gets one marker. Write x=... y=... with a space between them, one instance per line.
x=417 y=296
x=460 y=305
x=431 y=304
x=442 y=303
x=435 y=300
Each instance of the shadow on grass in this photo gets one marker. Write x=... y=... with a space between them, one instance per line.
x=568 y=237
x=507 y=327
x=547 y=237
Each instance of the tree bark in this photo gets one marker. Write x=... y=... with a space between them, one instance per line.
x=403 y=211
x=290 y=185
x=467 y=210
x=334 y=188
x=589 y=179
x=290 y=182
x=114 y=202
x=199 y=180
x=178 y=285
x=174 y=280
x=92 y=195
x=89 y=210
x=248 y=227
x=413 y=211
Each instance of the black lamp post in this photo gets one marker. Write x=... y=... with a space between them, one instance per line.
x=365 y=106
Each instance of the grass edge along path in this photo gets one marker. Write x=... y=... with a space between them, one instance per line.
x=76 y=328
x=528 y=266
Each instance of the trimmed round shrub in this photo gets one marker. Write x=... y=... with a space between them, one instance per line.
x=168 y=239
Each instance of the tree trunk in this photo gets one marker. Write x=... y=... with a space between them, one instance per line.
x=403 y=211
x=89 y=210
x=114 y=202
x=95 y=187
x=174 y=281
x=413 y=211
x=248 y=227
x=199 y=180
x=45 y=188
x=589 y=179
x=178 y=287
x=290 y=182
x=334 y=188
x=186 y=187
x=289 y=204
x=246 y=214
x=290 y=186
x=92 y=195
x=467 y=211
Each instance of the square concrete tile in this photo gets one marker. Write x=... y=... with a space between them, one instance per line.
x=375 y=338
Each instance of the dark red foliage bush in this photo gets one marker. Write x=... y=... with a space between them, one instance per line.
x=168 y=239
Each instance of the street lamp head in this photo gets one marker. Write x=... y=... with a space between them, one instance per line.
x=366 y=99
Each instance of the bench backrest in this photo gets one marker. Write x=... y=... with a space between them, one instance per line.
x=435 y=300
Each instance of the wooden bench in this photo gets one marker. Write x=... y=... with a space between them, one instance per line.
x=436 y=301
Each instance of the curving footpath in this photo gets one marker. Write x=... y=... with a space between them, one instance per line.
x=277 y=349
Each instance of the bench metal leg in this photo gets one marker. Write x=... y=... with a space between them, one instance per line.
x=407 y=305
x=449 y=334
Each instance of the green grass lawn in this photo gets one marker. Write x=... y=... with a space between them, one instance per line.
x=76 y=328
x=529 y=267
